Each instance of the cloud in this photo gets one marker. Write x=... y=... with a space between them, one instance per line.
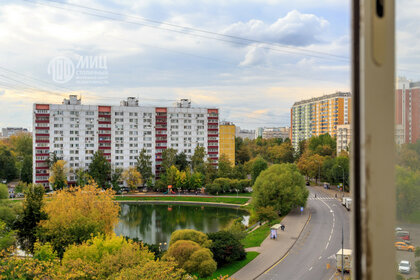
x=295 y=29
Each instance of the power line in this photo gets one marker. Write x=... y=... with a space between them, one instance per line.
x=266 y=45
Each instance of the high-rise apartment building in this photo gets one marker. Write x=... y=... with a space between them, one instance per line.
x=276 y=132
x=74 y=132
x=227 y=140
x=319 y=115
x=343 y=137
x=407 y=103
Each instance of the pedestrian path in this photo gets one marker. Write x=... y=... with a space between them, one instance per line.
x=271 y=251
x=322 y=198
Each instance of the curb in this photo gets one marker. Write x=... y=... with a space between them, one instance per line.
x=287 y=252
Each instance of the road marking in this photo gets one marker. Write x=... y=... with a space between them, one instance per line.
x=319 y=257
x=276 y=263
x=328 y=243
x=310 y=268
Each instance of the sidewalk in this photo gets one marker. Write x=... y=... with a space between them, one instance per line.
x=271 y=251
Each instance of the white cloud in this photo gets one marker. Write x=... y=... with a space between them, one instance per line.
x=295 y=29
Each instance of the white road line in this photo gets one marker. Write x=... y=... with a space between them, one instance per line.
x=320 y=257
x=310 y=268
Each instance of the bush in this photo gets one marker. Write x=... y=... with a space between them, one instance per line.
x=181 y=250
x=226 y=248
x=190 y=234
x=243 y=184
x=213 y=189
x=237 y=228
x=417 y=264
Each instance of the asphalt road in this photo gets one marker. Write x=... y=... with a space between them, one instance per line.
x=318 y=243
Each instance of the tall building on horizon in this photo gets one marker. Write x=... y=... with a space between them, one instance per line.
x=9 y=131
x=74 y=132
x=407 y=111
x=319 y=115
x=227 y=132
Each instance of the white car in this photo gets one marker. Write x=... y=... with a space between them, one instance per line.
x=398 y=229
x=404 y=267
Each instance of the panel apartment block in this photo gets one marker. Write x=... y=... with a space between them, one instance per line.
x=319 y=115
x=74 y=132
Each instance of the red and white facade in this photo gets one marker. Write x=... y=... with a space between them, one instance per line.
x=74 y=132
x=407 y=103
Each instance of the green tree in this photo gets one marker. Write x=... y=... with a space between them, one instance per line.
x=4 y=192
x=226 y=248
x=82 y=177
x=324 y=145
x=243 y=154
x=27 y=222
x=224 y=169
x=210 y=171
x=8 y=168
x=181 y=161
x=168 y=158
x=170 y=176
x=238 y=171
x=258 y=165
x=282 y=153
x=7 y=238
x=408 y=191
x=100 y=169
x=116 y=178
x=144 y=165
x=26 y=171
x=197 y=160
x=280 y=186
x=58 y=177
x=196 y=181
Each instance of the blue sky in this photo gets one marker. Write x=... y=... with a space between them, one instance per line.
x=300 y=49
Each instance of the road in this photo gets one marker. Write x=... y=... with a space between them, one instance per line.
x=317 y=244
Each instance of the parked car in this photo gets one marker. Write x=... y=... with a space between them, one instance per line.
x=404 y=267
x=404 y=246
x=398 y=229
x=3 y=181
x=308 y=183
x=405 y=235
x=20 y=195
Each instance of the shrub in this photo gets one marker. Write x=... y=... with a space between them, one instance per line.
x=226 y=248
x=237 y=228
x=213 y=189
x=201 y=261
x=190 y=234
x=266 y=213
x=4 y=191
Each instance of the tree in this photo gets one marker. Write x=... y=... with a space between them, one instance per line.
x=116 y=176
x=226 y=248
x=27 y=222
x=408 y=191
x=182 y=180
x=280 y=186
x=266 y=213
x=210 y=171
x=193 y=258
x=144 y=165
x=181 y=161
x=82 y=177
x=8 y=168
x=26 y=171
x=282 y=153
x=4 y=191
x=168 y=158
x=171 y=175
x=238 y=171
x=21 y=144
x=224 y=169
x=190 y=234
x=243 y=154
x=324 y=145
x=197 y=160
x=100 y=169
x=7 y=238
x=105 y=256
x=196 y=181
x=75 y=214
x=310 y=165
x=58 y=177
x=132 y=177
x=258 y=166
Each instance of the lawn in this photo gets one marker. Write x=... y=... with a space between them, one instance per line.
x=233 y=267
x=234 y=194
x=255 y=238
x=230 y=200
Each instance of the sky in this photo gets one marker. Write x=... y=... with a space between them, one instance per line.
x=252 y=59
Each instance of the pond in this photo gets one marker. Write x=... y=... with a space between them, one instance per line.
x=154 y=223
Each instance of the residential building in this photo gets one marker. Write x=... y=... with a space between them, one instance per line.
x=227 y=132
x=343 y=137
x=319 y=115
x=245 y=133
x=276 y=132
x=259 y=132
x=407 y=110
x=9 y=131
x=74 y=132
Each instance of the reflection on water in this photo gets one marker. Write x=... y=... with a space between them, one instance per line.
x=155 y=223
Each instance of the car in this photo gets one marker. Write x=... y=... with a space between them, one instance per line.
x=404 y=247
x=307 y=183
x=403 y=235
x=398 y=229
x=404 y=267
x=20 y=195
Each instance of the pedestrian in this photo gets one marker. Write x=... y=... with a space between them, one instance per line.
x=315 y=195
x=282 y=227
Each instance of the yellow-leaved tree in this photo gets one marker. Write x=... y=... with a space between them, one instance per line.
x=58 y=177
x=132 y=177
x=77 y=214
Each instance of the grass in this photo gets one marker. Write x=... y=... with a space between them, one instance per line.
x=255 y=238
x=230 y=200
x=234 y=194
x=230 y=269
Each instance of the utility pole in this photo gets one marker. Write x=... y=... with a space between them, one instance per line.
x=342 y=190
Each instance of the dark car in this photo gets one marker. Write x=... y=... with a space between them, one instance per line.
x=307 y=183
